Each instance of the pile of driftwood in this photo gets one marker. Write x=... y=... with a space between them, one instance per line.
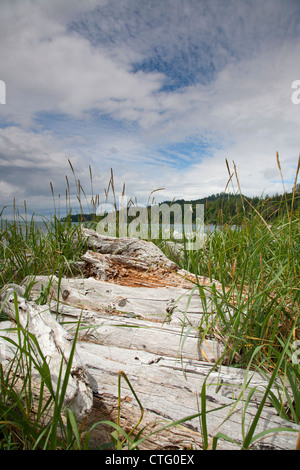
x=140 y=314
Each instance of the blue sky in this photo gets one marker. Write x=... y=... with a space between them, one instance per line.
x=161 y=91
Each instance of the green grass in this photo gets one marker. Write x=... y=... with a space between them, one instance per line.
x=256 y=311
x=27 y=249
x=258 y=268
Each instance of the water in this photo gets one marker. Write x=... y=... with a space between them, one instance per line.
x=43 y=227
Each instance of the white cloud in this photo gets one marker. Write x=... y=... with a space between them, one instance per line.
x=65 y=57
x=49 y=69
x=28 y=162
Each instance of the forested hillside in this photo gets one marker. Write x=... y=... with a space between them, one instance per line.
x=224 y=208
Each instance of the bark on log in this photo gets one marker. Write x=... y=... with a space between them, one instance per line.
x=140 y=314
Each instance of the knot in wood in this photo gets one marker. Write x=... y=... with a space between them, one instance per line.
x=122 y=303
x=65 y=294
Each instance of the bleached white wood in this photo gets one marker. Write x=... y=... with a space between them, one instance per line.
x=167 y=339
x=170 y=389
x=55 y=345
x=130 y=248
x=159 y=318
x=167 y=394
x=165 y=304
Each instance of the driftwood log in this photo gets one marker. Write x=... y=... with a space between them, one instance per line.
x=140 y=314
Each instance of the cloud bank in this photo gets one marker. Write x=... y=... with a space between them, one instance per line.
x=162 y=92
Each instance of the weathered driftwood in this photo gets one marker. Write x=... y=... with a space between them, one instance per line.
x=132 y=262
x=140 y=314
x=55 y=345
x=158 y=323
x=168 y=395
x=170 y=389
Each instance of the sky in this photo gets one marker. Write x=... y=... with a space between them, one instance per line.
x=160 y=91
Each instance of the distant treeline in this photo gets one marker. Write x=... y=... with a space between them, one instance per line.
x=225 y=208
x=228 y=208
